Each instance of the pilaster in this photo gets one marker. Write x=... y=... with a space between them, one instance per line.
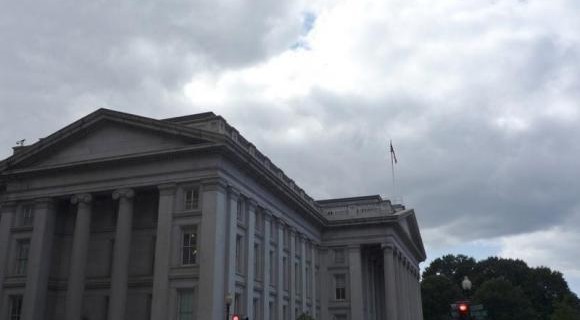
x=266 y=266
x=160 y=299
x=250 y=240
x=212 y=250
x=232 y=225
x=39 y=260
x=355 y=276
x=292 y=287
x=390 y=282
x=280 y=270
x=7 y=214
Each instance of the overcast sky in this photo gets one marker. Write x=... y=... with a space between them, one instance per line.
x=479 y=97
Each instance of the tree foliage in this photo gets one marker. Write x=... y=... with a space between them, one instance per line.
x=437 y=292
x=504 y=301
x=502 y=285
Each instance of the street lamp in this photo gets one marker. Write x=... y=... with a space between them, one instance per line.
x=228 y=299
x=466 y=285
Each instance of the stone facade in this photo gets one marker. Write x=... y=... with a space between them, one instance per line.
x=118 y=216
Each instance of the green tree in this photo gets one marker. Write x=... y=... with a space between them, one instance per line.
x=437 y=293
x=514 y=271
x=503 y=301
x=451 y=266
x=567 y=309
x=304 y=316
x=545 y=288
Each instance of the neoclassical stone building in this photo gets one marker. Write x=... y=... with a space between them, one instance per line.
x=118 y=216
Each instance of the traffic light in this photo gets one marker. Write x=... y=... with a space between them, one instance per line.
x=463 y=309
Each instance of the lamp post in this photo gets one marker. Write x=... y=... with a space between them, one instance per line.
x=228 y=299
x=466 y=286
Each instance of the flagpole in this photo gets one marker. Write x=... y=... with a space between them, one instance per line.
x=393 y=169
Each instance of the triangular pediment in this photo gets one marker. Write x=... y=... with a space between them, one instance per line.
x=107 y=134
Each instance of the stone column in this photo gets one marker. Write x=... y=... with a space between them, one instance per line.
x=212 y=250
x=160 y=299
x=7 y=213
x=39 y=260
x=303 y=271
x=390 y=282
x=280 y=267
x=76 y=279
x=292 y=270
x=419 y=299
x=355 y=275
x=313 y=278
x=325 y=279
x=232 y=225
x=266 y=266
x=121 y=254
x=250 y=240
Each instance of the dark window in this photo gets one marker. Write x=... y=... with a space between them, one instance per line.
x=189 y=246
x=15 y=307
x=340 y=287
x=185 y=307
x=26 y=217
x=22 y=248
x=191 y=200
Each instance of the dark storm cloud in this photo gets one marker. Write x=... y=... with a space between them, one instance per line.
x=75 y=56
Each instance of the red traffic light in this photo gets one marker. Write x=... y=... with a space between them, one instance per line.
x=236 y=317
x=463 y=309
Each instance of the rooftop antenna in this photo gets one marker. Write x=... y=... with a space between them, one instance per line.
x=20 y=143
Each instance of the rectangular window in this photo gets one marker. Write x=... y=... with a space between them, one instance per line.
x=272 y=314
x=239 y=254
x=272 y=229
x=285 y=315
x=189 y=246
x=26 y=217
x=257 y=262
x=339 y=256
x=240 y=211
x=256 y=306
x=238 y=303
x=297 y=279
x=340 y=317
x=272 y=268
x=15 y=312
x=191 y=199
x=307 y=281
x=285 y=272
x=340 y=287
x=185 y=305
x=22 y=248
x=258 y=221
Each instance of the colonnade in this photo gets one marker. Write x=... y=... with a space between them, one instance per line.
x=402 y=288
x=40 y=254
x=301 y=290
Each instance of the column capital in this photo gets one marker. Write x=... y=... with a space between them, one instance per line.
x=8 y=206
x=123 y=193
x=352 y=247
x=43 y=202
x=252 y=204
x=291 y=230
x=167 y=189
x=81 y=198
x=233 y=192
x=268 y=215
x=215 y=184
x=388 y=247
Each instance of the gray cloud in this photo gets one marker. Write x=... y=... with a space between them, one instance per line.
x=480 y=98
